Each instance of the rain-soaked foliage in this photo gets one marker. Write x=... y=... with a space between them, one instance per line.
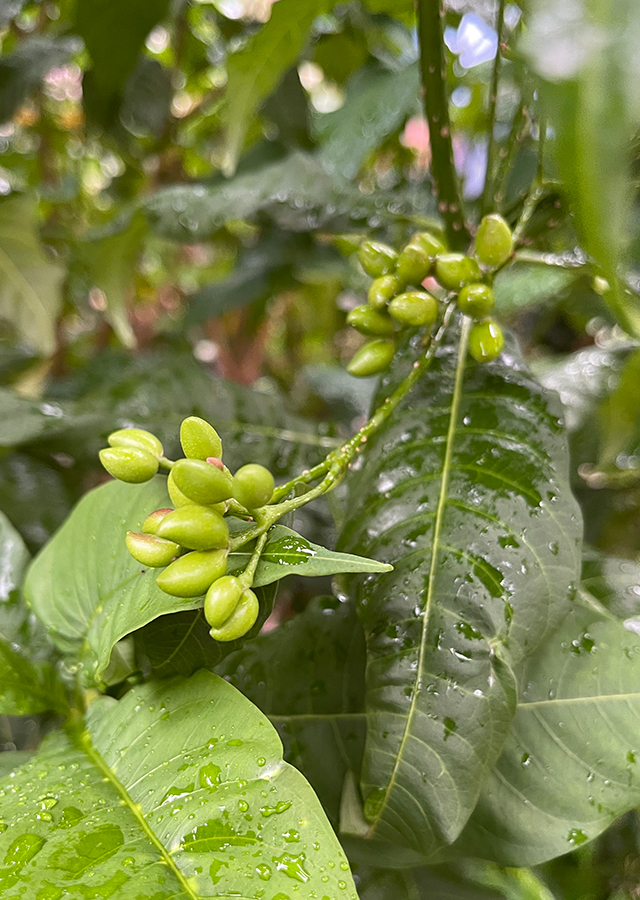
x=390 y=251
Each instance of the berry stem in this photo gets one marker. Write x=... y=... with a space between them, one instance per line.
x=488 y=191
x=249 y=573
x=166 y=463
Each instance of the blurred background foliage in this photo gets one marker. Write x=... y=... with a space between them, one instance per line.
x=182 y=187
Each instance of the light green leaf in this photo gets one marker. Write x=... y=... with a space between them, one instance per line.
x=521 y=287
x=288 y=553
x=619 y=416
x=465 y=490
x=255 y=71
x=30 y=297
x=10 y=760
x=176 y=791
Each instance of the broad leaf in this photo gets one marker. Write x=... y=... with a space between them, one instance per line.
x=14 y=557
x=254 y=71
x=23 y=70
x=30 y=297
x=521 y=287
x=308 y=676
x=569 y=767
x=438 y=883
x=36 y=495
x=27 y=687
x=465 y=491
x=10 y=760
x=289 y=553
x=177 y=791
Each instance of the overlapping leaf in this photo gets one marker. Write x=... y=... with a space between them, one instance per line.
x=465 y=491
x=177 y=791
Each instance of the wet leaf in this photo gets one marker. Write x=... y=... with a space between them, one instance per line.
x=178 y=790
x=27 y=687
x=437 y=883
x=465 y=491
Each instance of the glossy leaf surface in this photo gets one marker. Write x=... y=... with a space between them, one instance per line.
x=177 y=791
x=465 y=491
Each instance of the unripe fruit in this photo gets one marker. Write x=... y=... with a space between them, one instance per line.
x=201 y=482
x=190 y=575
x=414 y=264
x=241 y=619
x=179 y=499
x=494 y=241
x=151 y=550
x=431 y=244
x=369 y=321
x=136 y=438
x=129 y=464
x=150 y=524
x=199 y=439
x=371 y=359
x=414 y=308
x=382 y=290
x=476 y=300
x=454 y=270
x=486 y=341
x=253 y=486
x=377 y=259
x=196 y=527
x=221 y=600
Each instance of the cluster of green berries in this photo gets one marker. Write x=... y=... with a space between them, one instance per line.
x=190 y=542
x=397 y=300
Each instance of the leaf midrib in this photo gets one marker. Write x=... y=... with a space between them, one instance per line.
x=442 y=498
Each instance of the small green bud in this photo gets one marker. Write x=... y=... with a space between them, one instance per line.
x=377 y=259
x=372 y=358
x=199 y=439
x=190 y=575
x=129 y=464
x=369 y=321
x=253 y=486
x=486 y=341
x=150 y=524
x=241 y=620
x=382 y=290
x=150 y=550
x=454 y=270
x=476 y=300
x=201 y=482
x=221 y=600
x=414 y=264
x=196 y=527
x=429 y=243
x=494 y=241
x=414 y=308
x=136 y=438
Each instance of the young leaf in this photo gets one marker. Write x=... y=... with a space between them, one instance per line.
x=569 y=767
x=308 y=676
x=465 y=491
x=288 y=553
x=30 y=297
x=179 y=790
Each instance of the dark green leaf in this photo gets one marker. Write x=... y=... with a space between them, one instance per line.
x=27 y=687
x=619 y=418
x=465 y=491
x=307 y=676
x=14 y=557
x=24 y=69
x=438 y=883
x=35 y=496
x=146 y=105
x=177 y=791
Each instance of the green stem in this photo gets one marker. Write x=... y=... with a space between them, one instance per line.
x=436 y=105
x=488 y=190
x=249 y=573
x=166 y=463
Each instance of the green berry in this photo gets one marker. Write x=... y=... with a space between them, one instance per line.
x=190 y=575
x=429 y=243
x=199 y=439
x=241 y=620
x=414 y=264
x=415 y=308
x=196 y=527
x=151 y=550
x=476 y=300
x=129 y=464
x=150 y=524
x=179 y=499
x=377 y=259
x=486 y=341
x=373 y=358
x=201 y=481
x=454 y=270
x=136 y=438
x=221 y=600
x=494 y=241
x=367 y=320
x=253 y=486
x=382 y=290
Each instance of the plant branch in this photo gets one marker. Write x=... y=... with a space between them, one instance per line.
x=436 y=105
x=493 y=102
